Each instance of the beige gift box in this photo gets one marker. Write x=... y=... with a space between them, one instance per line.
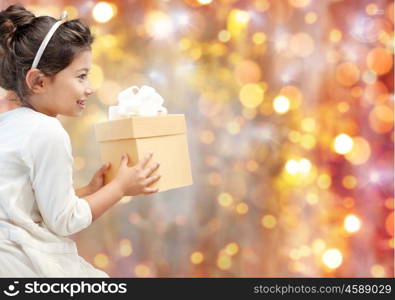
x=164 y=135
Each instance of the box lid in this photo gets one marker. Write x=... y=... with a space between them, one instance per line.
x=140 y=127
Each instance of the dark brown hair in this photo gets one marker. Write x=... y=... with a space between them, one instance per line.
x=21 y=34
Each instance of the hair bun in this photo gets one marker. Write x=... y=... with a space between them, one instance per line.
x=10 y=19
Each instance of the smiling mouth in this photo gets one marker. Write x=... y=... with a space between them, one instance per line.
x=81 y=103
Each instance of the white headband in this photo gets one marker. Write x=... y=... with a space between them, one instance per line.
x=63 y=18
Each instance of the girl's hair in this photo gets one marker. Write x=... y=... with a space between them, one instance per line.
x=21 y=34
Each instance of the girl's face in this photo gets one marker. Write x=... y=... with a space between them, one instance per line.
x=66 y=94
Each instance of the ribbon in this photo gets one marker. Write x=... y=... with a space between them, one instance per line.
x=135 y=101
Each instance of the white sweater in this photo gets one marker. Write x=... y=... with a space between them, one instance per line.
x=38 y=205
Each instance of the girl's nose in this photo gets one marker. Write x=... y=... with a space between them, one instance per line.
x=88 y=91
x=88 y=88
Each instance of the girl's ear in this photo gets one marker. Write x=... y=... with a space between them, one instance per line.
x=35 y=80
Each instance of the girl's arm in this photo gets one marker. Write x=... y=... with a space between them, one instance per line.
x=47 y=153
x=83 y=191
x=104 y=198
x=95 y=184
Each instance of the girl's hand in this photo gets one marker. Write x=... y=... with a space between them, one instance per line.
x=97 y=180
x=136 y=180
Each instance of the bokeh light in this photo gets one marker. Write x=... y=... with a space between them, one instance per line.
x=347 y=74
x=196 y=258
x=360 y=152
x=379 y=60
x=125 y=247
x=251 y=95
x=101 y=260
x=142 y=270
x=242 y=16
x=301 y=44
x=381 y=119
x=205 y=2
x=247 y=72
x=332 y=258
x=225 y=199
x=268 y=221
x=158 y=25
x=281 y=104
x=352 y=223
x=103 y=12
x=310 y=17
x=299 y=3
x=343 y=143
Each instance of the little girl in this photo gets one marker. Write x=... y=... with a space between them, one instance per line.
x=45 y=63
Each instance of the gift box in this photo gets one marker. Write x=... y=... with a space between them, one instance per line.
x=164 y=135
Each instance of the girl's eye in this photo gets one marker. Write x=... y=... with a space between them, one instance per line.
x=82 y=76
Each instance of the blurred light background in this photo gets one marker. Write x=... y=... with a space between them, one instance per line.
x=289 y=107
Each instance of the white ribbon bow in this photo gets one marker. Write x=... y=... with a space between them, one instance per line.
x=137 y=102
